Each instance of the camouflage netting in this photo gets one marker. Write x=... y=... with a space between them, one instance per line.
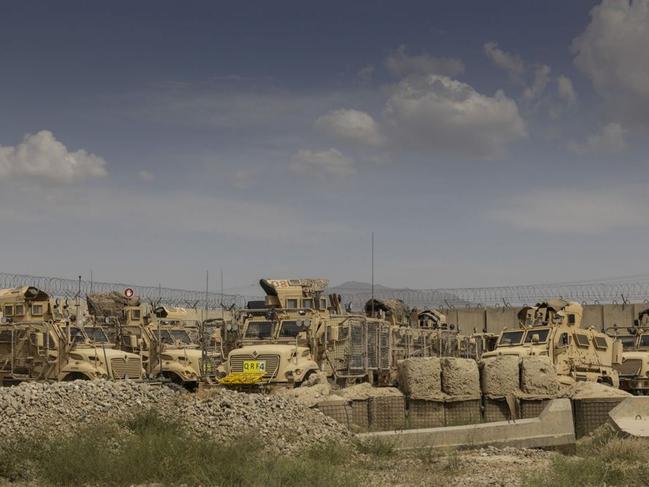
x=421 y=378
x=539 y=377
x=500 y=376
x=109 y=304
x=391 y=307
x=460 y=378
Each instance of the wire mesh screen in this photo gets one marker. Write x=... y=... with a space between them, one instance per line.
x=590 y=414
x=425 y=414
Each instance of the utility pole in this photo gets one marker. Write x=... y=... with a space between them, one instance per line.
x=372 y=274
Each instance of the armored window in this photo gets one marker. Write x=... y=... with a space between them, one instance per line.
x=564 y=340
x=307 y=303
x=644 y=341
x=628 y=342
x=135 y=314
x=571 y=319
x=20 y=310
x=509 y=338
x=259 y=330
x=289 y=329
x=8 y=310
x=542 y=335
x=323 y=303
x=600 y=343
x=37 y=310
x=582 y=340
x=5 y=336
x=291 y=303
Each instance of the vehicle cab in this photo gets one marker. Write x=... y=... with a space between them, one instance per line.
x=553 y=329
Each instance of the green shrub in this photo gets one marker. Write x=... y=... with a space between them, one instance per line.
x=375 y=446
x=153 y=449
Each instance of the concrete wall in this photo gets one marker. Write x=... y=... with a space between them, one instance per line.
x=493 y=320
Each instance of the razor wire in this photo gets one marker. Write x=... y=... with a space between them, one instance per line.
x=69 y=288
x=615 y=291
x=618 y=290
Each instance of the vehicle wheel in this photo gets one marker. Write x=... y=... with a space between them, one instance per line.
x=75 y=376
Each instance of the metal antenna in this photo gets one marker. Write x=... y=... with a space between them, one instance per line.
x=202 y=327
x=372 y=274
x=221 y=303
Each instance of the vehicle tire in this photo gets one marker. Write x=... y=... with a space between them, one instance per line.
x=75 y=376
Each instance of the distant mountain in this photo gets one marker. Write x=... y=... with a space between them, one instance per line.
x=358 y=293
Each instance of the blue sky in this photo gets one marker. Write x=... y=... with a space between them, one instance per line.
x=485 y=143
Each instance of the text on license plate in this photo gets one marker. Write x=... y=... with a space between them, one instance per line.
x=252 y=366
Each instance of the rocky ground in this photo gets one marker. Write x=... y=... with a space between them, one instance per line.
x=481 y=467
x=66 y=407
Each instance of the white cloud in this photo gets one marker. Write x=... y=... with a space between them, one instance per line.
x=610 y=139
x=576 y=211
x=42 y=157
x=399 y=63
x=612 y=52
x=324 y=162
x=438 y=114
x=566 y=90
x=511 y=63
x=540 y=82
x=351 y=125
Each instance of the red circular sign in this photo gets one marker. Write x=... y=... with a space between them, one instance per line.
x=128 y=292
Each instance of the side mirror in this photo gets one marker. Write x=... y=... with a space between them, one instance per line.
x=535 y=338
x=39 y=338
x=133 y=341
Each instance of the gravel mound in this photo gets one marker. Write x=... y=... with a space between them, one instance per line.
x=539 y=377
x=500 y=376
x=64 y=407
x=421 y=378
x=460 y=377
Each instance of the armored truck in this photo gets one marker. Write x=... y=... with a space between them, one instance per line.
x=634 y=368
x=554 y=329
x=41 y=340
x=161 y=338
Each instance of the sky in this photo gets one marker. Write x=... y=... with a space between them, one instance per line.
x=484 y=143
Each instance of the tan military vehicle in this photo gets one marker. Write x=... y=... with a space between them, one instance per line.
x=280 y=341
x=161 y=338
x=41 y=340
x=553 y=329
x=298 y=330
x=634 y=369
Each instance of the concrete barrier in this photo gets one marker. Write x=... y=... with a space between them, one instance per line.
x=631 y=416
x=552 y=429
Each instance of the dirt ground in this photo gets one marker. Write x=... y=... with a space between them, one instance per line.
x=482 y=467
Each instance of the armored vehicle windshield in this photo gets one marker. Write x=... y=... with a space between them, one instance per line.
x=511 y=338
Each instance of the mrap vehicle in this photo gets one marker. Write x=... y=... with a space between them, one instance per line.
x=40 y=339
x=554 y=329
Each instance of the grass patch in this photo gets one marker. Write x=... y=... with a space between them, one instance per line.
x=375 y=446
x=603 y=460
x=151 y=449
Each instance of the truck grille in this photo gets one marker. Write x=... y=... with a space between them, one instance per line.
x=129 y=367
x=630 y=367
x=272 y=362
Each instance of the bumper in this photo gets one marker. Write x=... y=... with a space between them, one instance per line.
x=634 y=384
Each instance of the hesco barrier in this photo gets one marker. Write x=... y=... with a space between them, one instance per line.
x=496 y=410
x=531 y=408
x=392 y=413
x=425 y=414
x=590 y=414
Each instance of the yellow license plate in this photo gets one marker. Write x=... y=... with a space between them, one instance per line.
x=254 y=366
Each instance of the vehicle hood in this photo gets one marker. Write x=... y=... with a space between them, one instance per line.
x=284 y=350
x=110 y=353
